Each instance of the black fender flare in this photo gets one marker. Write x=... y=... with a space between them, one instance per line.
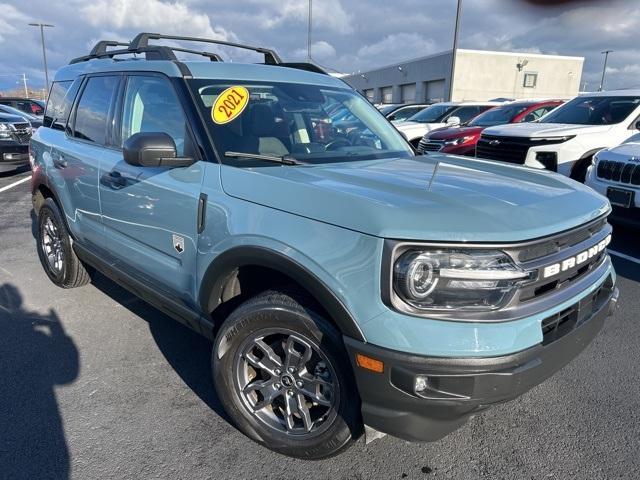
x=219 y=270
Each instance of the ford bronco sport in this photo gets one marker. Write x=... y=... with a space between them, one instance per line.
x=347 y=283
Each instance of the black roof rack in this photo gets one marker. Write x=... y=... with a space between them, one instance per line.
x=142 y=41
x=140 y=45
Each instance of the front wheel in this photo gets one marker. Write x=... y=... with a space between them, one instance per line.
x=283 y=375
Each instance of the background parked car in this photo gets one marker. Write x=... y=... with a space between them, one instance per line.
x=15 y=133
x=566 y=139
x=405 y=111
x=32 y=119
x=387 y=108
x=615 y=173
x=440 y=115
x=27 y=105
x=462 y=140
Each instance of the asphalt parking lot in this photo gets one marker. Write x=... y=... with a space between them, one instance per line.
x=94 y=383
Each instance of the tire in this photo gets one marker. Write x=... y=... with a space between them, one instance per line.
x=579 y=170
x=53 y=242
x=282 y=322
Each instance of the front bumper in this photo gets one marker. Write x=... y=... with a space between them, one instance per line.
x=13 y=156
x=457 y=388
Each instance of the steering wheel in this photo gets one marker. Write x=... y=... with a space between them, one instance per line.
x=337 y=143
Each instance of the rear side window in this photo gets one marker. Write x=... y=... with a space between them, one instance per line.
x=57 y=110
x=93 y=108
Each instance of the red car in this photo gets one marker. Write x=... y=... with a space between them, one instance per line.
x=462 y=140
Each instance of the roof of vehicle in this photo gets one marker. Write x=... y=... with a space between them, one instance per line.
x=162 y=59
x=612 y=93
x=16 y=98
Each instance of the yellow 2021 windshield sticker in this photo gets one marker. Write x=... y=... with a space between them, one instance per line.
x=229 y=104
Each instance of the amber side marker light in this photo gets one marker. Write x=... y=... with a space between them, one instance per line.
x=369 y=363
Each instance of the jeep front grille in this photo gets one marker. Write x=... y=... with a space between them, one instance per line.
x=619 y=172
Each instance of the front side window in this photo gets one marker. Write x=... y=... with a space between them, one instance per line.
x=433 y=114
x=151 y=105
x=404 y=113
x=597 y=110
x=93 y=109
x=313 y=124
x=466 y=113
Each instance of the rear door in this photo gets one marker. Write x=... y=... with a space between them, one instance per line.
x=150 y=213
x=78 y=157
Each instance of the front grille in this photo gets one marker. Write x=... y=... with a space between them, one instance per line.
x=553 y=251
x=21 y=132
x=430 y=145
x=509 y=149
x=558 y=325
x=620 y=172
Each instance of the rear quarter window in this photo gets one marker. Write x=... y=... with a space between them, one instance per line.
x=58 y=105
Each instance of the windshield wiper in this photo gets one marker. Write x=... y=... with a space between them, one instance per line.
x=285 y=159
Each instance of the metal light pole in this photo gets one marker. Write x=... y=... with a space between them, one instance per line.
x=309 y=32
x=44 y=51
x=455 y=48
x=604 y=68
x=24 y=81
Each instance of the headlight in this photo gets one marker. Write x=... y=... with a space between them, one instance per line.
x=4 y=131
x=431 y=280
x=458 y=141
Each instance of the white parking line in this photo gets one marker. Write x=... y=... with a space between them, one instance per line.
x=22 y=180
x=622 y=255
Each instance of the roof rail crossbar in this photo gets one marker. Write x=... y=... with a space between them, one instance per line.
x=142 y=40
x=100 y=48
x=151 y=53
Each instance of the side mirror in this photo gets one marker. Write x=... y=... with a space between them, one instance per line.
x=153 y=149
x=453 y=121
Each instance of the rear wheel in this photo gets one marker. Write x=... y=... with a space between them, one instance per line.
x=56 y=255
x=283 y=376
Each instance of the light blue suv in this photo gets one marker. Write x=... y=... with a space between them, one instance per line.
x=348 y=284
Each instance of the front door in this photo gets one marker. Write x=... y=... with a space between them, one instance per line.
x=150 y=213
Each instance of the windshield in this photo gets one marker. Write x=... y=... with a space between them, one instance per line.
x=312 y=124
x=433 y=114
x=593 y=111
x=497 y=116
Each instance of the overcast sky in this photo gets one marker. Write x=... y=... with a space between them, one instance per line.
x=348 y=35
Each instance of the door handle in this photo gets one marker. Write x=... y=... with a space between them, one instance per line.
x=59 y=161
x=115 y=180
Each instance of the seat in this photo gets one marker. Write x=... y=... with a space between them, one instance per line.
x=262 y=123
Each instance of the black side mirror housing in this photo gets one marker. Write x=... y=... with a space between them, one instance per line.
x=153 y=149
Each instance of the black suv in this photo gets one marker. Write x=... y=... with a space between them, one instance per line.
x=15 y=133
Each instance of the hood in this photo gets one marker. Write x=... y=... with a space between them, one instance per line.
x=622 y=153
x=413 y=130
x=454 y=132
x=544 y=129
x=7 y=117
x=466 y=200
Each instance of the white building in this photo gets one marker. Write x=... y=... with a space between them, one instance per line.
x=479 y=75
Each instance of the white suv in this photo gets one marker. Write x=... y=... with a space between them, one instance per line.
x=615 y=173
x=438 y=115
x=566 y=139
